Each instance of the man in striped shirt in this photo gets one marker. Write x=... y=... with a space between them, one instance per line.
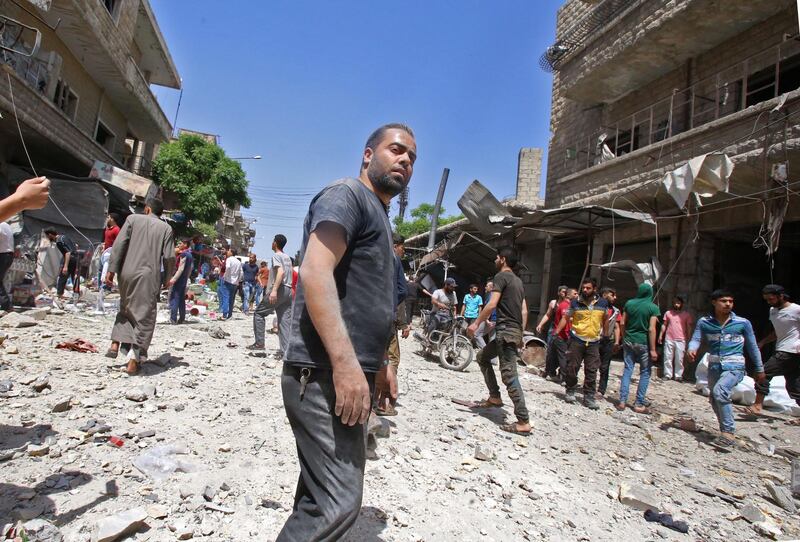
x=726 y=337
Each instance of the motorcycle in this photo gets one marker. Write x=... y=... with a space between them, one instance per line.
x=454 y=348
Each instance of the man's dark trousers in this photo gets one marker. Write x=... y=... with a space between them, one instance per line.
x=606 y=351
x=72 y=272
x=332 y=459
x=6 y=259
x=505 y=347
x=177 y=302
x=589 y=353
x=556 y=360
x=786 y=364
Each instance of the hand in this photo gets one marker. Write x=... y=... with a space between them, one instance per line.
x=661 y=340
x=471 y=330
x=761 y=378
x=171 y=282
x=616 y=348
x=653 y=355
x=539 y=329
x=406 y=331
x=693 y=355
x=386 y=386
x=353 y=402
x=64 y=270
x=110 y=279
x=273 y=297
x=33 y=193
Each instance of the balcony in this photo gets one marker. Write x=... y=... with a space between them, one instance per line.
x=761 y=77
x=650 y=39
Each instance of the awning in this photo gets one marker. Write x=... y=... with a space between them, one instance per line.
x=442 y=249
x=127 y=181
x=704 y=175
x=573 y=219
x=482 y=209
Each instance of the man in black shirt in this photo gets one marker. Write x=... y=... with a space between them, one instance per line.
x=341 y=323
x=69 y=262
x=508 y=297
x=249 y=274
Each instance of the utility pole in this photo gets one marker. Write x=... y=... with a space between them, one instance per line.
x=437 y=208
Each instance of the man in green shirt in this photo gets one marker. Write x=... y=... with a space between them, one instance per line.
x=638 y=330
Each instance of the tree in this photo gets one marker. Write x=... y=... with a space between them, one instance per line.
x=421 y=219
x=202 y=177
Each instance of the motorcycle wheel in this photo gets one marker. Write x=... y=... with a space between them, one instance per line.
x=456 y=358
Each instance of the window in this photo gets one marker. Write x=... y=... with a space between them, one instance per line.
x=104 y=137
x=111 y=6
x=65 y=99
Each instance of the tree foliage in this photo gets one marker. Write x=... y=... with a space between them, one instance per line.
x=421 y=219
x=202 y=177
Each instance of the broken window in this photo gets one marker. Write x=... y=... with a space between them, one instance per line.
x=65 y=99
x=104 y=137
x=111 y=6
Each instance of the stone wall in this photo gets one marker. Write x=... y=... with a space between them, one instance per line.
x=529 y=176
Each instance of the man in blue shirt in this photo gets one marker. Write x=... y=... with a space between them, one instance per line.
x=726 y=336
x=472 y=305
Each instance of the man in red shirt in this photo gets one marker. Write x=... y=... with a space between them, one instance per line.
x=109 y=236
x=556 y=363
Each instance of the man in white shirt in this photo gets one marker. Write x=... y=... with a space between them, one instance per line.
x=785 y=360
x=443 y=303
x=230 y=283
x=6 y=258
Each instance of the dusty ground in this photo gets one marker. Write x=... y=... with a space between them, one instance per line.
x=560 y=484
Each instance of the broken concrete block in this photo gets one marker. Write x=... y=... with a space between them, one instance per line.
x=41 y=382
x=35 y=450
x=796 y=477
x=40 y=530
x=483 y=453
x=752 y=513
x=781 y=496
x=638 y=497
x=37 y=314
x=113 y=527
x=15 y=320
x=62 y=405
x=157 y=511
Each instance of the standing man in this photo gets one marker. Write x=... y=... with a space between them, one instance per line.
x=785 y=360
x=472 y=304
x=508 y=297
x=638 y=327
x=341 y=322
x=412 y=298
x=6 y=259
x=443 y=306
x=263 y=280
x=277 y=298
x=69 y=262
x=109 y=236
x=399 y=324
x=676 y=329
x=726 y=336
x=249 y=282
x=230 y=283
x=556 y=362
x=588 y=316
x=144 y=243
x=550 y=312
x=611 y=338
x=179 y=282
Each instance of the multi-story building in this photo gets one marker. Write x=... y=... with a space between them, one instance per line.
x=84 y=96
x=641 y=87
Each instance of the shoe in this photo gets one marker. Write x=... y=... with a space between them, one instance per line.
x=553 y=378
x=591 y=404
x=255 y=346
x=570 y=397
x=723 y=443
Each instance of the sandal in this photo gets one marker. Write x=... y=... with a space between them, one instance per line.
x=388 y=411
x=620 y=406
x=112 y=353
x=486 y=403
x=723 y=444
x=512 y=428
x=641 y=409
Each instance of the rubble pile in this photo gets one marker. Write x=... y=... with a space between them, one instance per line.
x=198 y=447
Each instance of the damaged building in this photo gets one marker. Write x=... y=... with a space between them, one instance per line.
x=76 y=74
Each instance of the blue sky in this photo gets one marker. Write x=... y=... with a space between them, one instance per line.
x=303 y=83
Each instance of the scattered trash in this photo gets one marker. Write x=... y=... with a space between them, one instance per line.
x=78 y=345
x=160 y=462
x=667 y=521
x=116 y=441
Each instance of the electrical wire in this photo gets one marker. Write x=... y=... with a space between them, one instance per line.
x=30 y=162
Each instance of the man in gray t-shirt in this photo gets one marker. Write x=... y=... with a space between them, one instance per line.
x=443 y=302
x=277 y=297
x=341 y=322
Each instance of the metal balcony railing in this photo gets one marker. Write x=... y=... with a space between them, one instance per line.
x=138 y=165
x=34 y=71
x=758 y=78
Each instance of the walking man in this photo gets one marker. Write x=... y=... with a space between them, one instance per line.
x=726 y=336
x=785 y=360
x=68 y=268
x=230 y=283
x=588 y=318
x=277 y=298
x=611 y=338
x=109 y=236
x=550 y=313
x=399 y=324
x=472 y=305
x=638 y=327
x=508 y=298
x=145 y=242
x=676 y=330
x=249 y=282
x=341 y=322
x=556 y=361
x=179 y=282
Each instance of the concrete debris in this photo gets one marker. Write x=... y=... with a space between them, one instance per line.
x=114 y=527
x=17 y=320
x=638 y=497
x=141 y=393
x=752 y=513
x=484 y=453
x=767 y=529
x=41 y=383
x=781 y=496
x=157 y=511
x=62 y=405
x=39 y=530
x=38 y=450
x=219 y=508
